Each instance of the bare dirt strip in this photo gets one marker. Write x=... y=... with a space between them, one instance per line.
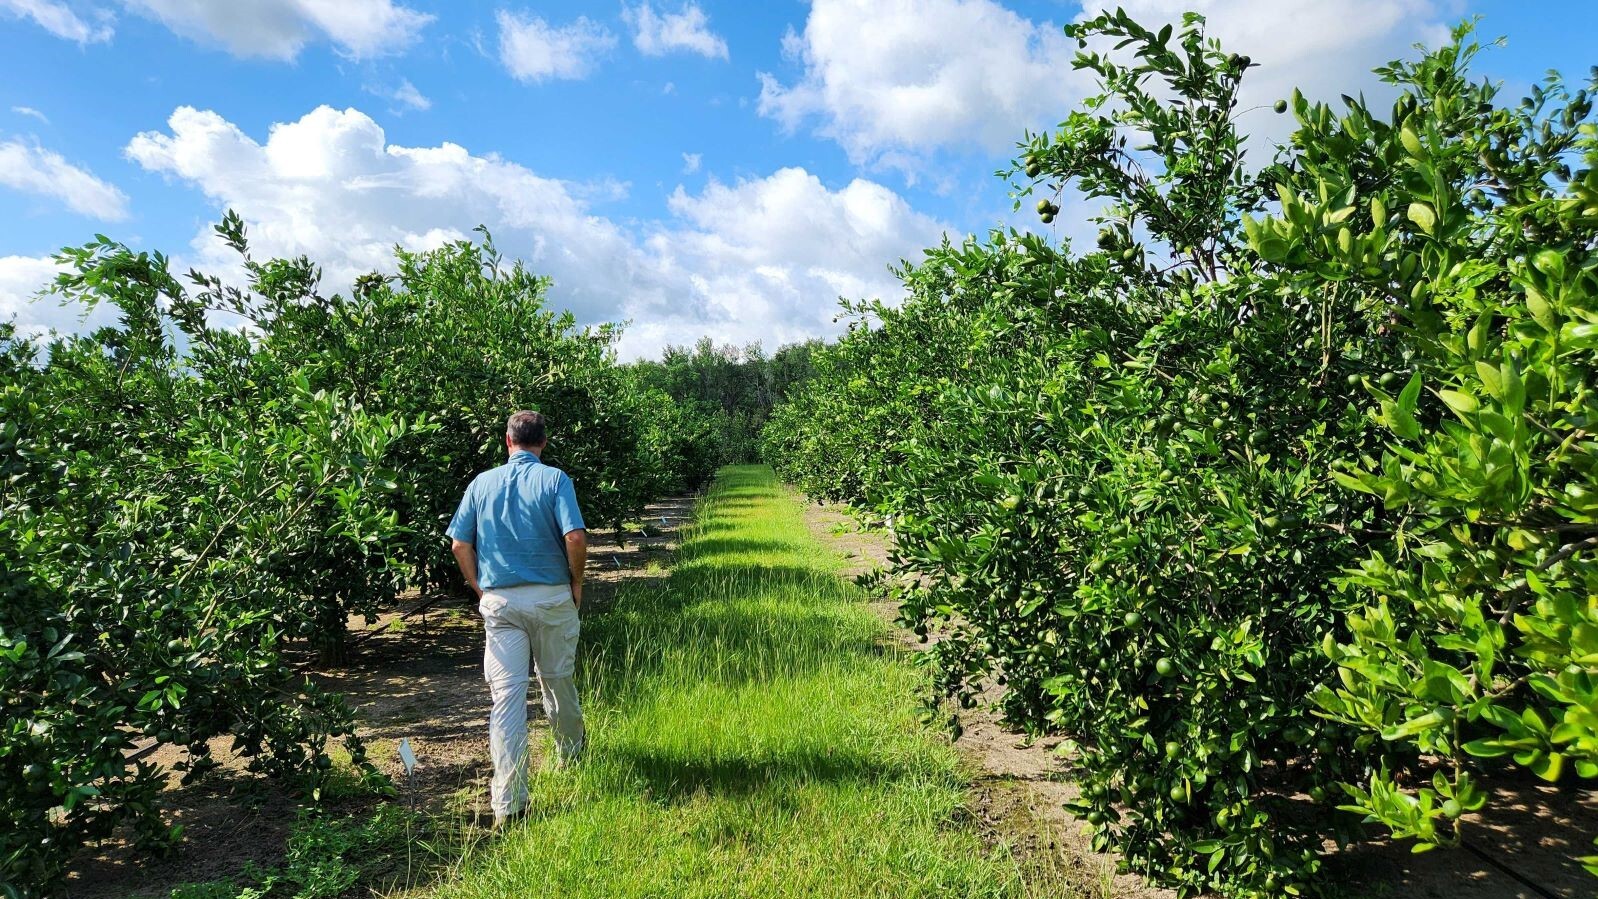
x=1522 y=848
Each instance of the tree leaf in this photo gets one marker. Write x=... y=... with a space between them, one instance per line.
x=1423 y=216
x=1463 y=404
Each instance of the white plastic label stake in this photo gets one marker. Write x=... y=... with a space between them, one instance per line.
x=407 y=756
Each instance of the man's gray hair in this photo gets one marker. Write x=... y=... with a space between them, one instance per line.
x=527 y=428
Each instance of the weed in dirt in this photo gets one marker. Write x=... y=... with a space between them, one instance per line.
x=328 y=855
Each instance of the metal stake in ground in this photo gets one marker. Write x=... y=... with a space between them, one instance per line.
x=408 y=762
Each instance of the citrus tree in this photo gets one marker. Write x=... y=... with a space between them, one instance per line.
x=192 y=498
x=150 y=562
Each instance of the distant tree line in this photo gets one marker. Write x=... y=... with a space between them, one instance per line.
x=728 y=392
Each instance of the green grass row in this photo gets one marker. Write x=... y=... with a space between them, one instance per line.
x=754 y=732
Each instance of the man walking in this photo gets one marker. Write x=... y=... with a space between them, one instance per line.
x=520 y=542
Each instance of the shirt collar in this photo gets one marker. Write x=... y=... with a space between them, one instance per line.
x=522 y=455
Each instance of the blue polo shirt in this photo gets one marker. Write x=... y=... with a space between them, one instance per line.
x=518 y=516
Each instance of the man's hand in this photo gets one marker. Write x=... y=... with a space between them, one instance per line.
x=577 y=595
x=466 y=557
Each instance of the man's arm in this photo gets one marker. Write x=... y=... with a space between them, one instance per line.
x=577 y=562
x=462 y=531
x=466 y=558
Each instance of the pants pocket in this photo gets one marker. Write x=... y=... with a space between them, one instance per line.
x=557 y=640
x=491 y=604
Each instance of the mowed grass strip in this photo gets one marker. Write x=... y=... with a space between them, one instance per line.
x=751 y=734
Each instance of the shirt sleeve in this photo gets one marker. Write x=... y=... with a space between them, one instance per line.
x=463 y=526
x=567 y=515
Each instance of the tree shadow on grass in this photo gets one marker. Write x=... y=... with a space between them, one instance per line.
x=673 y=779
x=725 y=617
x=736 y=506
x=708 y=547
x=751 y=625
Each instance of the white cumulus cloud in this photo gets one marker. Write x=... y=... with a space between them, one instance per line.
x=60 y=20
x=30 y=168
x=688 y=29
x=31 y=113
x=764 y=258
x=894 y=81
x=279 y=29
x=22 y=279
x=533 y=50
x=1323 y=49
x=891 y=80
x=690 y=162
x=768 y=258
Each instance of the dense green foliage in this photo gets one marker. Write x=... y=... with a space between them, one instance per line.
x=722 y=397
x=1477 y=633
x=182 y=501
x=1176 y=494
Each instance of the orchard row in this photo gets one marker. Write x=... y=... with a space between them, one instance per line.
x=1281 y=503
x=227 y=474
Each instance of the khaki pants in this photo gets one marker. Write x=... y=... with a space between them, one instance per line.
x=536 y=623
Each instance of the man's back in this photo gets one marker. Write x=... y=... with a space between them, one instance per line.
x=517 y=515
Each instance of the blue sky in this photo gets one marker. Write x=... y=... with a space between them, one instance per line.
x=722 y=168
